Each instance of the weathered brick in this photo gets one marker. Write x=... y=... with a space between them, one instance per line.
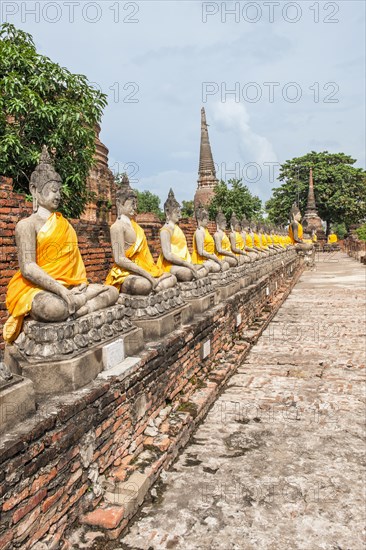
x=32 y=503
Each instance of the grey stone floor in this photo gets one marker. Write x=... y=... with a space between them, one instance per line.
x=278 y=462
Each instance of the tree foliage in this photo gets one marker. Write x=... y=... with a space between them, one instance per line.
x=148 y=202
x=340 y=188
x=187 y=209
x=234 y=196
x=361 y=232
x=43 y=103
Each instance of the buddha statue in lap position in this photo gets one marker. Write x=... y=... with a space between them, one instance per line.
x=237 y=241
x=175 y=257
x=204 y=245
x=248 y=240
x=295 y=231
x=51 y=285
x=222 y=242
x=256 y=240
x=134 y=271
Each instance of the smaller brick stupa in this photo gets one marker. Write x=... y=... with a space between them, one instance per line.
x=207 y=179
x=311 y=220
x=100 y=182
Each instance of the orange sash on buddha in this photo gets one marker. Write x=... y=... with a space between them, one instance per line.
x=179 y=248
x=58 y=255
x=248 y=241
x=139 y=253
x=299 y=233
x=208 y=245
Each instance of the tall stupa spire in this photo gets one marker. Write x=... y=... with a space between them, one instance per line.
x=207 y=179
x=311 y=205
x=311 y=220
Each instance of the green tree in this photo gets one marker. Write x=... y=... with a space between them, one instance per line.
x=234 y=196
x=187 y=209
x=339 y=229
x=43 y=103
x=148 y=202
x=340 y=188
x=361 y=232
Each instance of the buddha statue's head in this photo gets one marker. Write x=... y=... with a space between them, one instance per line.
x=235 y=223
x=202 y=216
x=295 y=213
x=221 y=221
x=172 y=208
x=45 y=184
x=245 y=224
x=126 y=199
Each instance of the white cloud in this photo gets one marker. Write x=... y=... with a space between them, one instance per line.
x=234 y=118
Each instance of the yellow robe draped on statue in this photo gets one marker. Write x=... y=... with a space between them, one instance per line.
x=58 y=255
x=239 y=241
x=225 y=245
x=248 y=241
x=257 y=241
x=139 y=253
x=264 y=241
x=208 y=245
x=332 y=238
x=299 y=233
x=179 y=248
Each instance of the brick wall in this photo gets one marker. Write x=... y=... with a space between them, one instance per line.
x=94 y=241
x=46 y=464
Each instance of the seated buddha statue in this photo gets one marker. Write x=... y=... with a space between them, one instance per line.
x=332 y=238
x=222 y=242
x=248 y=240
x=269 y=235
x=51 y=284
x=237 y=241
x=257 y=247
x=204 y=245
x=175 y=257
x=295 y=230
x=275 y=238
x=134 y=271
x=260 y=240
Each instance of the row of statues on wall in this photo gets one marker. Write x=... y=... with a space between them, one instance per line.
x=51 y=284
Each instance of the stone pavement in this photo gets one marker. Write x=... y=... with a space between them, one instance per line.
x=277 y=464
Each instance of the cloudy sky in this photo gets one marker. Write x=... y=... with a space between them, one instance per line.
x=277 y=79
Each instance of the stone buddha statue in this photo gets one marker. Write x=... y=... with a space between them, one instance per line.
x=269 y=236
x=275 y=238
x=134 y=271
x=51 y=285
x=248 y=240
x=222 y=242
x=175 y=257
x=295 y=230
x=263 y=240
x=237 y=241
x=204 y=245
x=256 y=240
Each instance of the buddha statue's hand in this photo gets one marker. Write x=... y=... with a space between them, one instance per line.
x=154 y=284
x=79 y=289
x=66 y=295
x=194 y=270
